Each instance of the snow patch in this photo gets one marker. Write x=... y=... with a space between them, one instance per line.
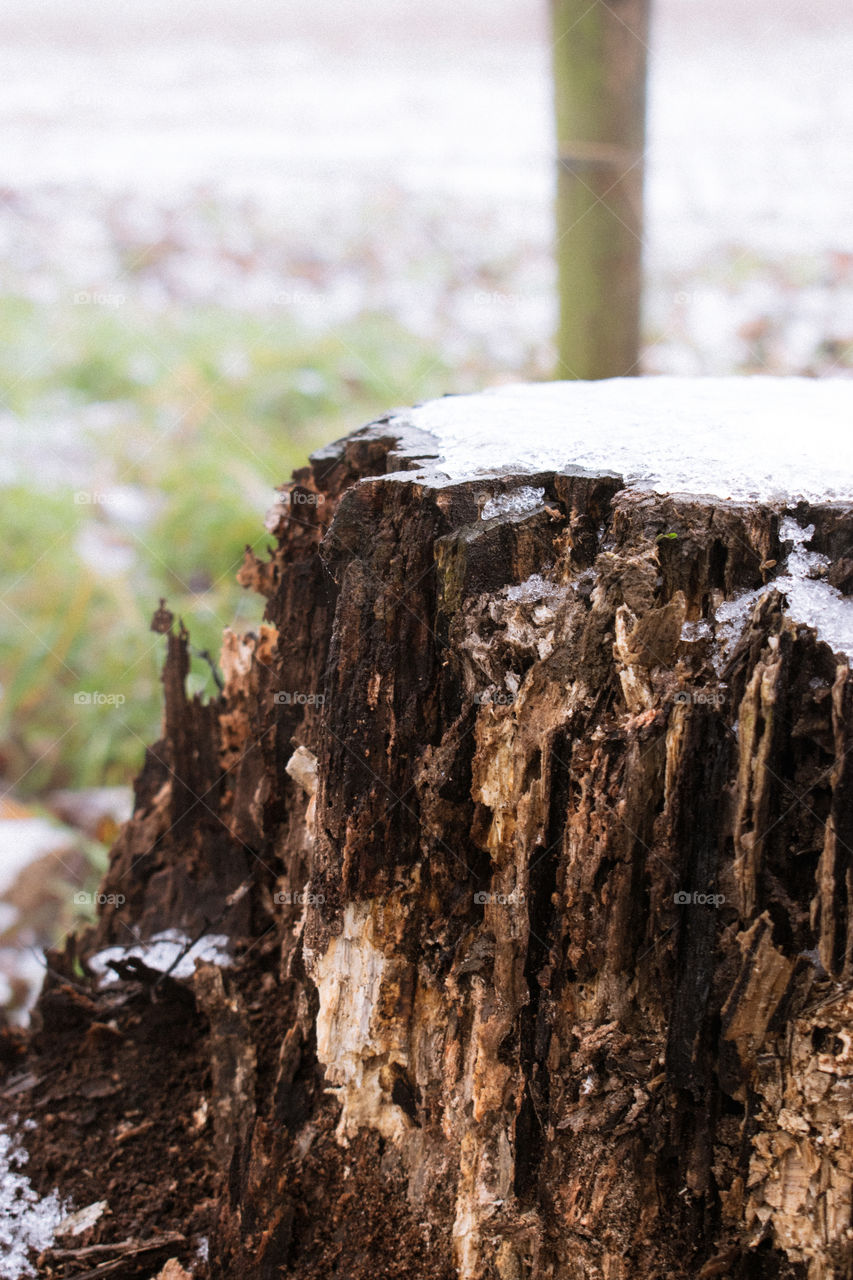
x=533 y=589
x=24 y=840
x=26 y=1222
x=517 y=503
x=691 y=632
x=21 y=976
x=749 y=438
x=160 y=951
x=811 y=600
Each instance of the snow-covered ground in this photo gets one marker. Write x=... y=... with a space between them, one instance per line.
x=26 y=1222
x=397 y=157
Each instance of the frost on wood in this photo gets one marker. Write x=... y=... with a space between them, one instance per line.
x=537 y=884
x=809 y=597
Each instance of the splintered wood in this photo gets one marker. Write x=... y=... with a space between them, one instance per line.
x=537 y=876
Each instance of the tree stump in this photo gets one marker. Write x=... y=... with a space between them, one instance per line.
x=527 y=816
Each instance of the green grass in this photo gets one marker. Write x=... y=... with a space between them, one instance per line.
x=205 y=411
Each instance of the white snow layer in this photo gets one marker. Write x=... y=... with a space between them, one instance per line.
x=162 y=950
x=744 y=438
x=25 y=840
x=518 y=502
x=25 y=1221
x=811 y=600
x=533 y=589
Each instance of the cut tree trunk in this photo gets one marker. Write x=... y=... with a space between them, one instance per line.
x=541 y=920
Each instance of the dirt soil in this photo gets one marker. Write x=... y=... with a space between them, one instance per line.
x=118 y=1079
x=115 y=1081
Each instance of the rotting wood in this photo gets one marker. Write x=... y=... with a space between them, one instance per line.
x=543 y=967
x=134 y=1257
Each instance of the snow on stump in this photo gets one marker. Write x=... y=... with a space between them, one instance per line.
x=526 y=824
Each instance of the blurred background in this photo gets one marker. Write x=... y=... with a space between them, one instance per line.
x=231 y=230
